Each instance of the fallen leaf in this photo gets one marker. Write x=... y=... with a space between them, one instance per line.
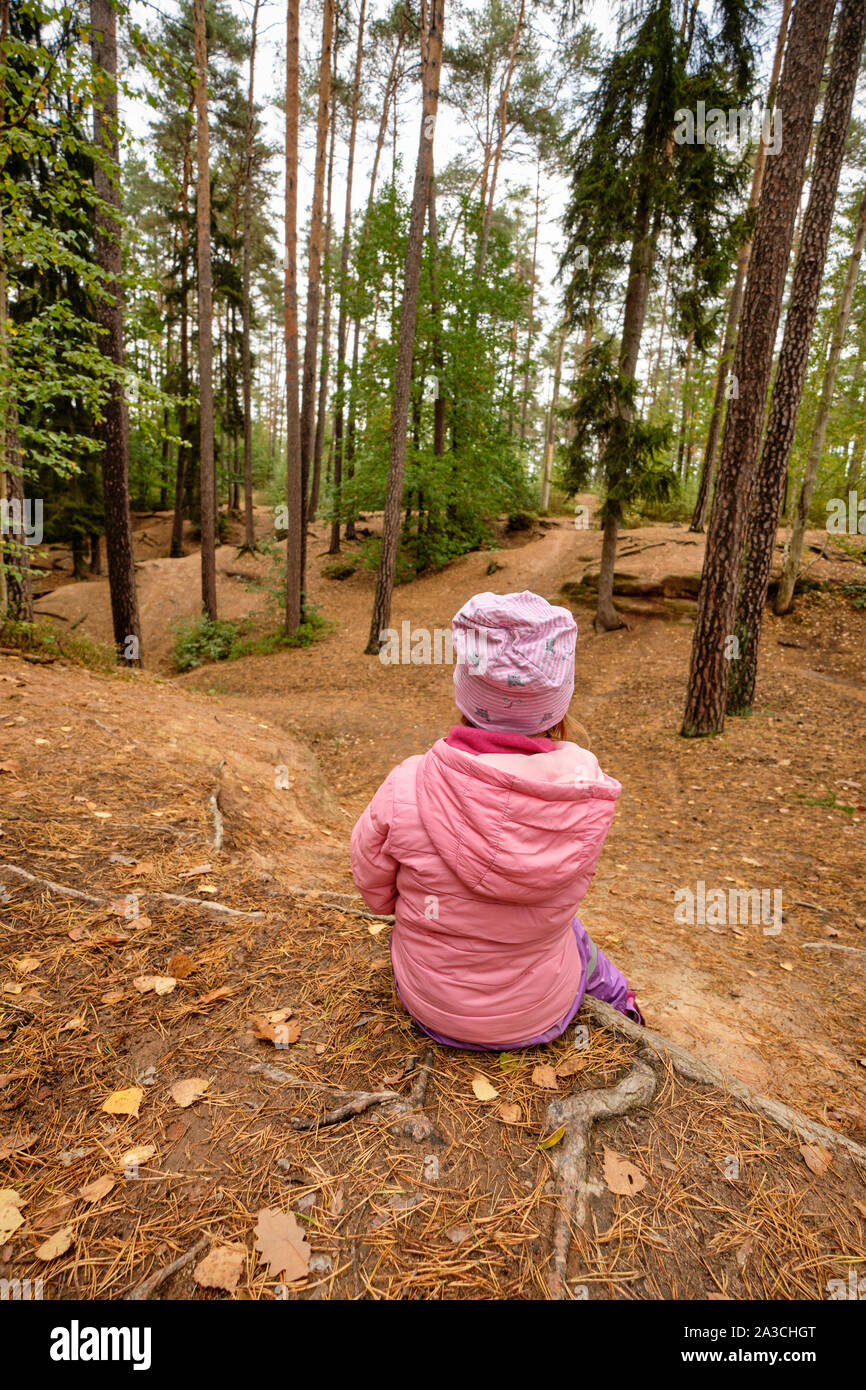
x=73 y=1025
x=114 y=996
x=26 y=964
x=510 y=1114
x=621 y=1176
x=457 y=1234
x=277 y=1015
x=10 y=1215
x=482 y=1088
x=78 y=933
x=374 y=928
x=187 y=1092
x=280 y=1034
x=103 y=815
x=139 y=1153
x=785 y=965
x=124 y=1102
x=861 y=1207
x=221 y=1268
x=143 y=868
x=544 y=1076
x=281 y=1244
x=744 y=1251
x=96 y=1190
x=215 y=994
x=552 y=1139
x=55 y=1245
x=572 y=1064
x=206 y=888
x=181 y=965
x=197 y=871
x=160 y=984
x=336 y=1205
x=17 y=1146
x=816 y=1158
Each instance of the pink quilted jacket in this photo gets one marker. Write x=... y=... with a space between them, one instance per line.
x=484 y=859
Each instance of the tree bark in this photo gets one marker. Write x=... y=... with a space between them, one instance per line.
x=801 y=79
x=342 y=325
x=324 y=372
x=294 y=495
x=735 y=303
x=500 y=141
x=205 y=325
x=550 y=440
x=794 y=354
x=436 y=315
x=176 y=548
x=431 y=48
x=785 y=596
x=113 y=429
x=246 y=356
x=314 y=276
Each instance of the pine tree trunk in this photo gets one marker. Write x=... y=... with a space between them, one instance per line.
x=794 y=354
x=176 y=547
x=436 y=315
x=342 y=328
x=502 y=122
x=785 y=596
x=294 y=495
x=324 y=371
x=205 y=324
x=527 y=361
x=735 y=303
x=711 y=648
x=246 y=355
x=114 y=427
x=314 y=275
x=431 y=49
x=550 y=441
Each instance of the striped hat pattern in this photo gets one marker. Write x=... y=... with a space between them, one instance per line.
x=515 y=662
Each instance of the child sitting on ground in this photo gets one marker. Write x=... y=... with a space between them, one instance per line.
x=484 y=847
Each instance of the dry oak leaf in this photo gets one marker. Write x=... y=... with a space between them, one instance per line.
x=545 y=1076
x=277 y=1015
x=139 y=1153
x=221 y=1268
x=189 y=1091
x=96 y=1190
x=55 y=1245
x=374 y=928
x=816 y=1158
x=124 y=1102
x=142 y=868
x=280 y=1034
x=181 y=965
x=510 y=1114
x=281 y=1244
x=572 y=1064
x=160 y=984
x=10 y=1216
x=114 y=996
x=621 y=1176
x=25 y=964
x=482 y=1088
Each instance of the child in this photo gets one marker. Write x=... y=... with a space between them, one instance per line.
x=484 y=846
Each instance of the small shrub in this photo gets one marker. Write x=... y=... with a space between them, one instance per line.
x=203 y=640
x=521 y=521
x=44 y=639
x=342 y=568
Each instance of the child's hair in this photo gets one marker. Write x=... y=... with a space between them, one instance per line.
x=566 y=731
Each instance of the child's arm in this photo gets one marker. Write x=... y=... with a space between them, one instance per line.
x=373 y=868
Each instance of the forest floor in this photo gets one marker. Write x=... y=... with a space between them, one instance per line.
x=130 y=789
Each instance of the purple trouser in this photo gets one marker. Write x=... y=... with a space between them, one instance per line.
x=601 y=980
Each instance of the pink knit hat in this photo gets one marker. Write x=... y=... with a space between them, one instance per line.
x=515 y=662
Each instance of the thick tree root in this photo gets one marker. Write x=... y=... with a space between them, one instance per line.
x=695 y=1070
x=65 y=891
x=578 y=1113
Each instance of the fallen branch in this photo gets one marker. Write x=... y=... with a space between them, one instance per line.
x=218 y=827
x=207 y=906
x=694 y=1069
x=358 y=1102
x=578 y=1112
x=54 y=887
x=143 y=1291
x=831 y=946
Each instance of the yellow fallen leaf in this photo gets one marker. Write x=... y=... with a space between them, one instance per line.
x=221 y=1268
x=26 y=964
x=10 y=1216
x=571 y=1064
x=552 y=1139
x=375 y=927
x=206 y=888
x=139 y=1153
x=114 y=996
x=482 y=1088
x=185 y=1093
x=103 y=815
x=545 y=1076
x=96 y=1190
x=621 y=1176
x=277 y=1015
x=55 y=1245
x=785 y=965
x=124 y=1102
x=510 y=1114
x=160 y=984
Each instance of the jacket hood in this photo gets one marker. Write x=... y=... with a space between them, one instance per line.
x=506 y=823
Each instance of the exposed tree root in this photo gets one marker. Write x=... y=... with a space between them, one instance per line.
x=402 y=1111
x=143 y=1291
x=578 y=1112
x=695 y=1070
x=60 y=888
x=65 y=891
x=218 y=825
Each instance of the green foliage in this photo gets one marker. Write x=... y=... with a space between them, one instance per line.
x=203 y=639
x=45 y=639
